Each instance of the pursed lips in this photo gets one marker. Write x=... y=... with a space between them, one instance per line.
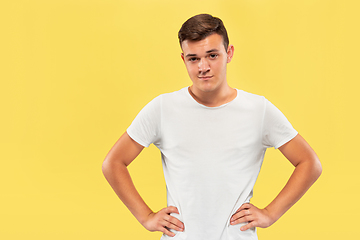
x=205 y=77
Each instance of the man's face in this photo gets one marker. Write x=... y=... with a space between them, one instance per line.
x=206 y=61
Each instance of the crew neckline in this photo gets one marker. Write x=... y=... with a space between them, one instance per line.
x=186 y=89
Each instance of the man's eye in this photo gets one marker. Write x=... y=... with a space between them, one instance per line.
x=192 y=59
x=212 y=56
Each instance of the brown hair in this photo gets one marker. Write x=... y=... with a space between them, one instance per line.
x=201 y=26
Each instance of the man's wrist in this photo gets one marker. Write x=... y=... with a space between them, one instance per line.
x=144 y=217
x=273 y=214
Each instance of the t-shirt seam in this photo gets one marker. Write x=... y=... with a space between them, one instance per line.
x=137 y=139
x=210 y=108
x=160 y=125
x=262 y=123
x=285 y=139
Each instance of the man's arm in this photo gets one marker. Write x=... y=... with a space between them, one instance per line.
x=115 y=171
x=307 y=170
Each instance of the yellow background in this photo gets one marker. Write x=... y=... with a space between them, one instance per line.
x=74 y=73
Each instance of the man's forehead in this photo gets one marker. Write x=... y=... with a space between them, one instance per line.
x=209 y=44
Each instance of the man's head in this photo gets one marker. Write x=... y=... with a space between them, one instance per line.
x=201 y=26
x=206 y=52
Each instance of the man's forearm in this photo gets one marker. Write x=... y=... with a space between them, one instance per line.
x=304 y=175
x=119 y=178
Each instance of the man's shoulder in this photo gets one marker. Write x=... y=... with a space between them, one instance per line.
x=250 y=98
x=172 y=96
x=177 y=93
x=166 y=99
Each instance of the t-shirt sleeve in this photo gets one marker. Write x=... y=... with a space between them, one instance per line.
x=277 y=130
x=145 y=129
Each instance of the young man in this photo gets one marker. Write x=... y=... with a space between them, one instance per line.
x=212 y=139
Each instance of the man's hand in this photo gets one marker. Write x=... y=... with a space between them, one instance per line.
x=254 y=216
x=162 y=221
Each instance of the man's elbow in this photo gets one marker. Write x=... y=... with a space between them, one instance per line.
x=316 y=168
x=106 y=166
x=111 y=165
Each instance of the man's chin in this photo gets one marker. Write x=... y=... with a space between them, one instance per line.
x=207 y=87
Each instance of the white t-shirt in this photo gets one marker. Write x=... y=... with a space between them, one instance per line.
x=211 y=156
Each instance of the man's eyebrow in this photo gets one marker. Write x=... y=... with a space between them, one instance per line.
x=190 y=55
x=194 y=55
x=212 y=50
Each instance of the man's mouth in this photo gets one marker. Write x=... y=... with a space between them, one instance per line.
x=205 y=77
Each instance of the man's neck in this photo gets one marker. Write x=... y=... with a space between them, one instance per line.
x=214 y=98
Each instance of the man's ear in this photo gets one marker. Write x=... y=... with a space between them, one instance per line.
x=182 y=57
x=230 y=53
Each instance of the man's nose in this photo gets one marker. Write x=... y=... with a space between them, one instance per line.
x=204 y=66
